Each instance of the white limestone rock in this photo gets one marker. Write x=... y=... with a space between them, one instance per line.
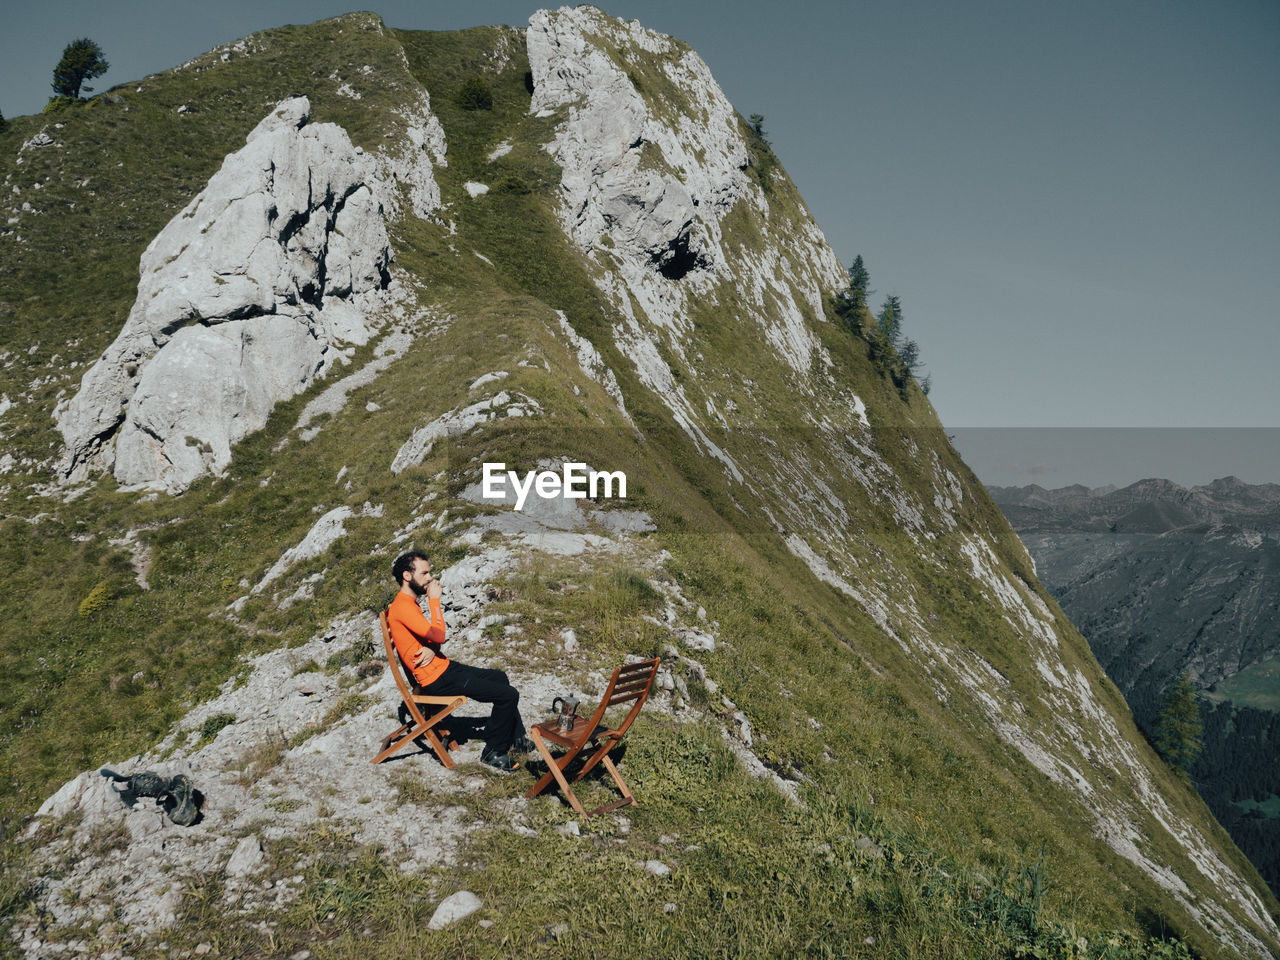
x=493 y=377
x=247 y=857
x=334 y=397
x=698 y=640
x=647 y=211
x=569 y=639
x=409 y=160
x=41 y=139
x=208 y=388
x=242 y=298
x=327 y=531
x=453 y=908
x=164 y=910
x=88 y=793
x=457 y=422
x=593 y=365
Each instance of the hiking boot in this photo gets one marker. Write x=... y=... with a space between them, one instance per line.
x=500 y=761
x=522 y=745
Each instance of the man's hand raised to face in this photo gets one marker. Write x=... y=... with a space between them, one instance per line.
x=426 y=654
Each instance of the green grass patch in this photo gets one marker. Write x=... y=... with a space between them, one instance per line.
x=1269 y=808
x=1257 y=686
x=213 y=726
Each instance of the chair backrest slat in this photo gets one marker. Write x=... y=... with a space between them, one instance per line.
x=633 y=678
x=629 y=692
x=631 y=681
x=639 y=683
x=598 y=716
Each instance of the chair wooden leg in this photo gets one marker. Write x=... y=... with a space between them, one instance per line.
x=555 y=770
x=394 y=735
x=394 y=741
x=602 y=752
x=440 y=749
x=544 y=781
x=627 y=798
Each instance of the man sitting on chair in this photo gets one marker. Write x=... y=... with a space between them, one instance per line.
x=418 y=642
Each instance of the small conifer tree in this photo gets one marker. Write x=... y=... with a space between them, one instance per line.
x=851 y=302
x=909 y=354
x=859 y=280
x=890 y=320
x=1179 y=731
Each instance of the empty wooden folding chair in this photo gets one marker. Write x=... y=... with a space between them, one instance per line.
x=418 y=726
x=630 y=682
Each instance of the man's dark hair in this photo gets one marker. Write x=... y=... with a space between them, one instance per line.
x=404 y=563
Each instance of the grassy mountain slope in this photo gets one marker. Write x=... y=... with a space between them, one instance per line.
x=850 y=691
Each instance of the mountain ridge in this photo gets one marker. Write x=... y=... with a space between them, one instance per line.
x=1103 y=507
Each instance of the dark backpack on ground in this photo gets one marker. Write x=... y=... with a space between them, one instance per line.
x=176 y=794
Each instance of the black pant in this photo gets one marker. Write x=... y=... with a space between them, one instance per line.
x=487 y=686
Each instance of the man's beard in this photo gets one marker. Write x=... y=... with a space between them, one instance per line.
x=417 y=590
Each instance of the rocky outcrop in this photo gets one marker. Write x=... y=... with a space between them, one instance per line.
x=651 y=168
x=457 y=422
x=593 y=365
x=242 y=301
x=651 y=175
x=646 y=210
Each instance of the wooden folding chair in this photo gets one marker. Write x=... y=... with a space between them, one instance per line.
x=631 y=681
x=418 y=726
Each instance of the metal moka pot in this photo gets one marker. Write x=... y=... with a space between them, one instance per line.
x=568 y=707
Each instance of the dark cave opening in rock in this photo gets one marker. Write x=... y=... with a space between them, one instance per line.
x=676 y=259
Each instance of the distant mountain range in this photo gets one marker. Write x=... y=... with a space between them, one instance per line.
x=1148 y=506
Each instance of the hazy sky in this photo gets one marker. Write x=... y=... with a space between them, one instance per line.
x=1078 y=203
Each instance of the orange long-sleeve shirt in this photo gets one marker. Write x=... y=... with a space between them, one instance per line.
x=411 y=631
